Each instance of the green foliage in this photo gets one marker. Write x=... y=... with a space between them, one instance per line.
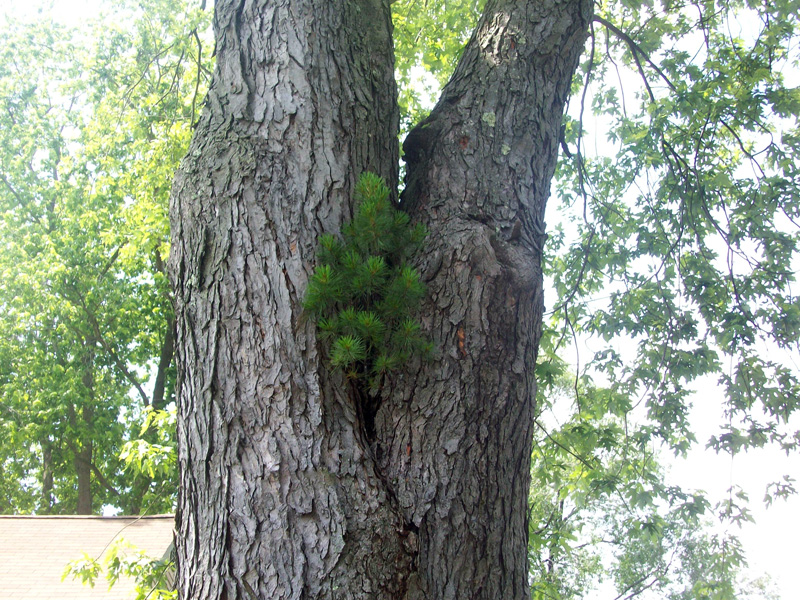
x=676 y=256
x=428 y=39
x=93 y=121
x=684 y=235
x=675 y=259
x=601 y=508
x=364 y=293
x=122 y=559
x=156 y=459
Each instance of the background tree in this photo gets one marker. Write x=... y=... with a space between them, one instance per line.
x=92 y=130
x=601 y=508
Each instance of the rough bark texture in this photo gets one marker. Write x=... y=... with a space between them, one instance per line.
x=282 y=493
x=456 y=435
x=279 y=495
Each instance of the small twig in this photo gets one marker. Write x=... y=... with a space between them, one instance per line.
x=636 y=49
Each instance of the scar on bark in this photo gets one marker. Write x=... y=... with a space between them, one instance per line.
x=416 y=148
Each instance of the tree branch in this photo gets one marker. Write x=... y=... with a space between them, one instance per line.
x=580 y=459
x=117 y=361
x=636 y=49
x=107 y=347
x=100 y=477
x=199 y=72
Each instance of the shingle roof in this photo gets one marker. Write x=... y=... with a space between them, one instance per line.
x=35 y=549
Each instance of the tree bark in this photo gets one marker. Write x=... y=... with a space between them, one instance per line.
x=47 y=476
x=279 y=496
x=456 y=434
x=82 y=460
x=283 y=492
x=82 y=451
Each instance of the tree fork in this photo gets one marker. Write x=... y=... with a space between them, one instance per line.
x=280 y=494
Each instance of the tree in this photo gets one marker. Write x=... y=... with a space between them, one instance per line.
x=601 y=509
x=92 y=127
x=283 y=491
x=288 y=488
x=422 y=475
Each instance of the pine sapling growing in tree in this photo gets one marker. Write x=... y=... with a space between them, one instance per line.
x=363 y=292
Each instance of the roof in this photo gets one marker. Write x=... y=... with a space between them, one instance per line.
x=34 y=550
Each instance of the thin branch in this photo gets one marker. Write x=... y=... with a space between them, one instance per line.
x=110 y=262
x=153 y=60
x=199 y=72
x=95 y=325
x=636 y=49
x=579 y=153
x=12 y=190
x=100 y=477
x=580 y=459
x=174 y=84
x=115 y=357
x=575 y=288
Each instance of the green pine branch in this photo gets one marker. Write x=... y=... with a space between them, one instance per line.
x=363 y=292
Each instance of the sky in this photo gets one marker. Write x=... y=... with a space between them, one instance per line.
x=770 y=543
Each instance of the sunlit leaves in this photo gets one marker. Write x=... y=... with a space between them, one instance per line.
x=429 y=36
x=598 y=492
x=155 y=457
x=676 y=260
x=122 y=559
x=94 y=121
x=685 y=245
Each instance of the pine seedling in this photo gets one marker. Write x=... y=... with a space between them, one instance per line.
x=347 y=351
x=363 y=293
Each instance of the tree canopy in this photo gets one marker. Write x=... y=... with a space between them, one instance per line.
x=674 y=250
x=94 y=121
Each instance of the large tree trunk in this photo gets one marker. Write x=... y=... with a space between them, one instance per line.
x=279 y=497
x=457 y=434
x=284 y=494
x=47 y=476
x=82 y=424
x=83 y=465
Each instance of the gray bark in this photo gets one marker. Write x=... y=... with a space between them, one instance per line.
x=279 y=495
x=456 y=434
x=284 y=494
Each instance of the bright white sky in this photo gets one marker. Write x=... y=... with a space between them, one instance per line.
x=771 y=543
